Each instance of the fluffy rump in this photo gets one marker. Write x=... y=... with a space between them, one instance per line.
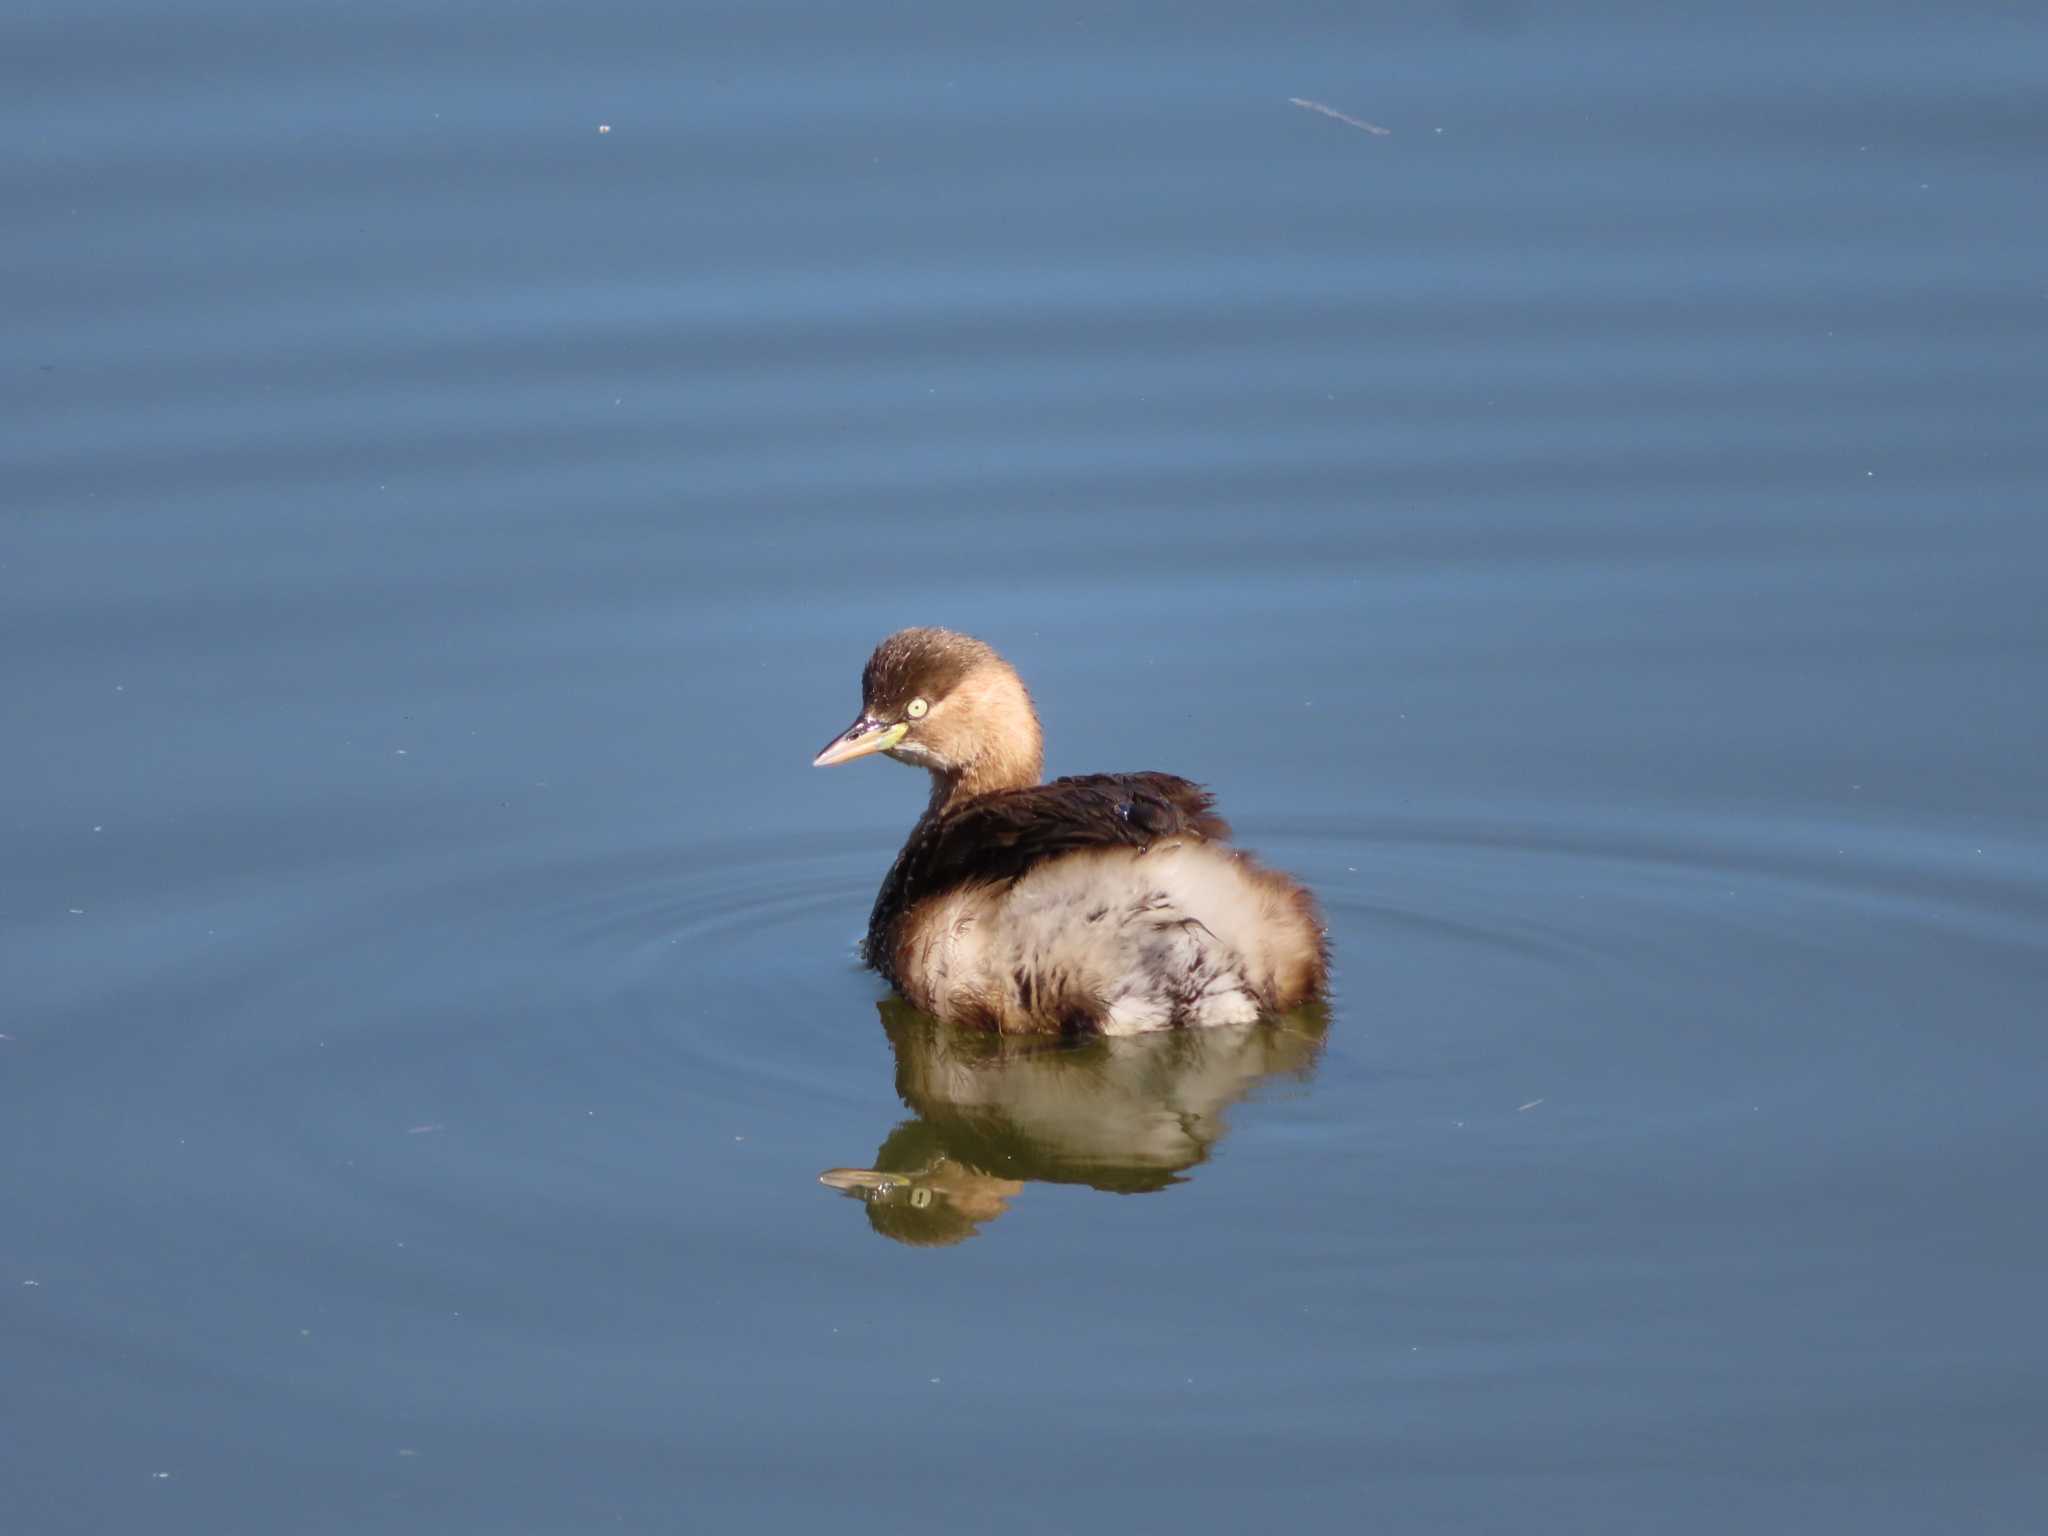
x=1118 y=940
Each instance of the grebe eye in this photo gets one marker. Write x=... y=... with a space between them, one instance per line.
x=916 y=709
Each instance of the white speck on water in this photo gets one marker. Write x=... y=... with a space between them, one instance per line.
x=604 y=127
x=160 y=1476
x=99 y=829
x=36 y=1283
x=1530 y=1105
x=78 y=911
x=935 y=1381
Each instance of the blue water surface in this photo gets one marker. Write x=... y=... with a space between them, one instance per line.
x=454 y=460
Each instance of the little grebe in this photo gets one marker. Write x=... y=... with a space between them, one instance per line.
x=1111 y=902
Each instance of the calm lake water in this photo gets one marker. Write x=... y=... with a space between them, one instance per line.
x=454 y=460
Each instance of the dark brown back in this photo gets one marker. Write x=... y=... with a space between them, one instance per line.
x=997 y=837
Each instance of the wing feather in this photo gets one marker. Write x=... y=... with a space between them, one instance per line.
x=1000 y=836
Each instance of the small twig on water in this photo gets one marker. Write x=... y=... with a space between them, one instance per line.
x=1343 y=117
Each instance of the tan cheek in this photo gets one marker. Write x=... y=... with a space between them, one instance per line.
x=940 y=735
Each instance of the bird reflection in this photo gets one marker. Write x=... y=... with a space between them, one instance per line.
x=992 y=1113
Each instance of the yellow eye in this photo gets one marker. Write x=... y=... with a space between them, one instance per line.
x=916 y=709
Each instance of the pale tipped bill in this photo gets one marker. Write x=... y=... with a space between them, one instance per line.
x=863 y=738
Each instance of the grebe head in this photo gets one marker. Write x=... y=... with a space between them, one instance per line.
x=947 y=703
